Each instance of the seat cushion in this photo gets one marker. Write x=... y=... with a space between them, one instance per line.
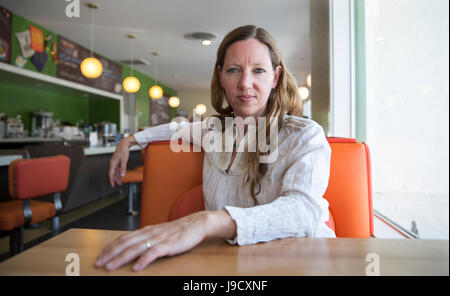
x=139 y=169
x=11 y=213
x=189 y=202
x=133 y=176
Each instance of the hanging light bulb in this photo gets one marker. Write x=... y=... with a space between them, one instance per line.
x=91 y=67
x=200 y=109
x=174 y=102
x=303 y=92
x=131 y=84
x=156 y=92
x=308 y=80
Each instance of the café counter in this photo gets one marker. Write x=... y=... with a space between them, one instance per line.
x=88 y=179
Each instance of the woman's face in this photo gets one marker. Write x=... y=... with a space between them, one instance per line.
x=248 y=77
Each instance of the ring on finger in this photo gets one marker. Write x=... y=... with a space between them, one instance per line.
x=148 y=244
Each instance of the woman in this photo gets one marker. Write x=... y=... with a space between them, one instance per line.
x=247 y=200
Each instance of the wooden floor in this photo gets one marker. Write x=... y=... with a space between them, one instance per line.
x=109 y=213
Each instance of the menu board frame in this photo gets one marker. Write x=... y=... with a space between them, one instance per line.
x=70 y=56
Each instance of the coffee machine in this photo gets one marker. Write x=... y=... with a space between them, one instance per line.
x=106 y=132
x=41 y=124
x=14 y=127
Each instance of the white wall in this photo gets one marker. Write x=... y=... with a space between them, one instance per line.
x=190 y=98
x=407 y=106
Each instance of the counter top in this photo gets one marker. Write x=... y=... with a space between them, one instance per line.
x=29 y=140
x=105 y=150
x=7 y=158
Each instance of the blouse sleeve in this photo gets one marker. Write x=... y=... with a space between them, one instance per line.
x=301 y=210
x=171 y=131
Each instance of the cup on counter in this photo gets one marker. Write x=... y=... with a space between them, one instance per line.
x=93 y=139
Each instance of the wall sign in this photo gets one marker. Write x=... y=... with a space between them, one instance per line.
x=5 y=35
x=159 y=110
x=70 y=56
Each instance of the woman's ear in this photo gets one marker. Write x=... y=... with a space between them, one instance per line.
x=277 y=72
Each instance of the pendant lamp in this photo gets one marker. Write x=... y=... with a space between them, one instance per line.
x=174 y=101
x=200 y=109
x=131 y=84
x=303 y=92
x=91 y=67
x=156 y=91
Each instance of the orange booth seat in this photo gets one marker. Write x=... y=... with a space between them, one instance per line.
x=30 y=178
x=172 y=186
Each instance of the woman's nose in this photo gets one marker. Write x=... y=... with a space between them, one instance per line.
x=246 y=80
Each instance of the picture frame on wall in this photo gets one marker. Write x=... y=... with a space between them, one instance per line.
x=159 y=110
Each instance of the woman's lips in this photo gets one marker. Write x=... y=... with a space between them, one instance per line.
x=246 y=98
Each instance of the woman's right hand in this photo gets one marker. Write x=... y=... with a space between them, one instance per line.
x=118 y=162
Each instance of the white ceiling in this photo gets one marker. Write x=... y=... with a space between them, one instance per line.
x=161 y=25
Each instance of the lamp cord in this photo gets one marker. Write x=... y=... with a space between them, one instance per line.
x=92 y=32
x=132 y=55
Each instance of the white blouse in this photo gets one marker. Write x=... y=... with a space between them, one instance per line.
x=291 y=202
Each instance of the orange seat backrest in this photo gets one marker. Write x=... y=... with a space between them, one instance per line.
x=172 y=186
x=349 y=191
x=38 y=176
x=167 y=176
x=189 y=202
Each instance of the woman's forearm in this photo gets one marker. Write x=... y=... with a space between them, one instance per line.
x=130 y=141
x=220 y=224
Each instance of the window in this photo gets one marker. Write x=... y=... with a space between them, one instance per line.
x=407 y=105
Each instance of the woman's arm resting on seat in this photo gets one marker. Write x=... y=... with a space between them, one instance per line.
x=118 y=162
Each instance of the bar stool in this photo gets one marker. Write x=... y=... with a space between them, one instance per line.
x=132 y=178
x=29 y=178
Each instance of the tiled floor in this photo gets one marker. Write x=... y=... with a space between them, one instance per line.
x=107 y=213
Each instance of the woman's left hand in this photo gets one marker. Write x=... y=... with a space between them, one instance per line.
x=155 y=241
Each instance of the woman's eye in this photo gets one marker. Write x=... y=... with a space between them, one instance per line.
x=232 y=70
x=260 y=70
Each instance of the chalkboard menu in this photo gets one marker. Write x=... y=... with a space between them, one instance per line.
x=5 y=35
x=70 y=56
x=159 y=111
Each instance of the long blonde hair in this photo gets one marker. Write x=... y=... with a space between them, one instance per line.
x=283 y=99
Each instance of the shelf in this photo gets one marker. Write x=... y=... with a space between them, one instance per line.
x=10 y=73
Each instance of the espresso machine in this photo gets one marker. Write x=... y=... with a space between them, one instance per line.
x=106 y=132
x=14 y=127
x=41 y=124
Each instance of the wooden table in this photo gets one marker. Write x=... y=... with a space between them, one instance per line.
x=293 y=256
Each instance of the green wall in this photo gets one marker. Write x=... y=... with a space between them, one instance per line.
x=20 y=24
x=143 y=99
x=20 y=99
x=23 y=98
